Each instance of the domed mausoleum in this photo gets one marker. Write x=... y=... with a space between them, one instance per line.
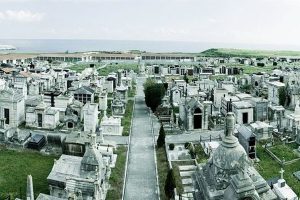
x=229 y=173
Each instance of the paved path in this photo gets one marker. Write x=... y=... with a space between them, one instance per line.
x=141 y=177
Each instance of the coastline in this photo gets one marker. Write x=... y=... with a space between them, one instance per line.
x=81 y=45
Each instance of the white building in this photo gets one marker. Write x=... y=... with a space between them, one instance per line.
x=243 y=111
x=218 y=94
x=12 y=107
x=90 y=117
x=111 y=126
x=74 y=177
x=42 y=116
x=229 y=86
x=293 y=119
x=273 y=94
x=261 y=130
x=103 y=100
x=282 y=190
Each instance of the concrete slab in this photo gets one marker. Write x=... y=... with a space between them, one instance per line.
x=188 y=189
x=187 y=181
x=187 y=167
x=186 y=173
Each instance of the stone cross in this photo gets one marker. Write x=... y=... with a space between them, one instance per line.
x=281 y=173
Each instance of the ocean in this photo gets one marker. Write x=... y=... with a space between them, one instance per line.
x=70 y=45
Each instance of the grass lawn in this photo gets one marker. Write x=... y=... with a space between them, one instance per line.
x=113 y=67
x=117 y=175
x=126 y=120
x=79 y=67
x=254 y=69
x=269 y=168
x=162 y=168
x=284 y=151
x=132 y=91
x=14 y=168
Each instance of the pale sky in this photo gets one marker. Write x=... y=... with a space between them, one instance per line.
x=230 y=21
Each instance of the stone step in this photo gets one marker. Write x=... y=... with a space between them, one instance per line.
x=186 y=173
x=187 y=167
x=188 y=189
x=187 y=196
x=186 y=181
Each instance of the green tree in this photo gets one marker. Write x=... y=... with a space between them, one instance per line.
x=170 y=185
x=185 y=78
x=161 y=137
x=246 y=88
x=154 y=93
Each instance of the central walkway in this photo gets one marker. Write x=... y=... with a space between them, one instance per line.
x=141 y=177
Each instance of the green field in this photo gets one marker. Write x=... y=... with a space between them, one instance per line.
x=247 y=53
x=284 y=151
x=114 y=67
x=14 y=168
x=110 y=67
x=79 y=67
x=269 y=168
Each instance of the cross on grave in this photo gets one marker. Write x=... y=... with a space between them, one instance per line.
x=281 y=173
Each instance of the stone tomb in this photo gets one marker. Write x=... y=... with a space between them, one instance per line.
x=179 y=153
x=118 y=107
x=111 y=126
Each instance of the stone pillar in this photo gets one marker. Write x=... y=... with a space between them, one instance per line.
x=29 y=191
x=206 y=105
x=229 y=124
x=101 y=135
x=190 y=124
x=119 y=77
x=2 y=123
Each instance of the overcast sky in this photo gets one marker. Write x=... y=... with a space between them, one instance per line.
x=230 y=21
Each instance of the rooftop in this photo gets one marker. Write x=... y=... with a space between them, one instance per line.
x=276 y=84
x=242 y=104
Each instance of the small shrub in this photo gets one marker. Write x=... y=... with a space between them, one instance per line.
x=186 y=145
x=192 y=151
x=171 y=146
x=161 y=137
x=170 y=185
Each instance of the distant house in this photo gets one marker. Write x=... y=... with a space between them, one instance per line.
x=84 y=94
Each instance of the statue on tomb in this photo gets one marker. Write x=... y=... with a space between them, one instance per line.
x=68 y=110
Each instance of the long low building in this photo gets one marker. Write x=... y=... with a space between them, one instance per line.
x=18 y=58
x=14 y=58
x=88 y=57
x=168 y=56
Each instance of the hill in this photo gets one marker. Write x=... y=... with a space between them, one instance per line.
x=247 y=53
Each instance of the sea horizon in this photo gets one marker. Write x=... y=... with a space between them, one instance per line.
x=84 y=45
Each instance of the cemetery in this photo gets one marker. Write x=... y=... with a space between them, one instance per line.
x=212 y=124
